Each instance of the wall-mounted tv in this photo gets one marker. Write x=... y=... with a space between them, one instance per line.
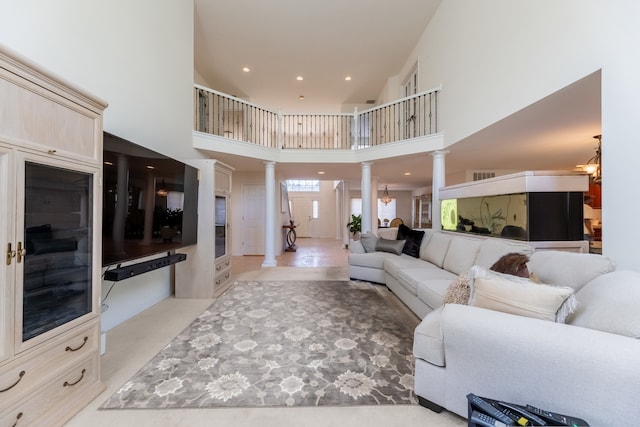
x=150 y=202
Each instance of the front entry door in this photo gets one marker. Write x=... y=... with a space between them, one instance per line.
x=302 y=216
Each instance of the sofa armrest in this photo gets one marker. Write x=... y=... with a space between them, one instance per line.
x=578 y=371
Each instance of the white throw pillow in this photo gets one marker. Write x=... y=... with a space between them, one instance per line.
x=519 y=296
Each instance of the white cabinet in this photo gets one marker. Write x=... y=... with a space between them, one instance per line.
x=207 y=269
x=50 y=204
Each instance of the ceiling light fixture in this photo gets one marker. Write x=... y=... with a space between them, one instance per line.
x=301 y=97
x=386 y=198
x=299 y=78
x=593 y=166
x=246 y=69
x=162 y=191
x=596 y=160
x=348 y=78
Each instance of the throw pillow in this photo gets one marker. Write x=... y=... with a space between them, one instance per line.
x=459 y=290
x=392 y=246
x=369 y=241
x=514 y=295
x=413 y=240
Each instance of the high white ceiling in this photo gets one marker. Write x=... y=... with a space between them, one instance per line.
x=370 y=40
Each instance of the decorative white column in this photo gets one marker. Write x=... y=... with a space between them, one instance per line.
x=346 y=212
x=374 y=205
x=269 y=216
x=365 y=188
x=437 y=183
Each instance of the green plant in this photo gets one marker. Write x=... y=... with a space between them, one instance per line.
x=355 y=225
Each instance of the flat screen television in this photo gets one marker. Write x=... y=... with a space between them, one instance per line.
x=150 y=202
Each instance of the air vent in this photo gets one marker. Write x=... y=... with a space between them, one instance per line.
x=477 y=176
x=370 y=101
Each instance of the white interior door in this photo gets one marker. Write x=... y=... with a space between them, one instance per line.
x=302 y=216
x=253 y=202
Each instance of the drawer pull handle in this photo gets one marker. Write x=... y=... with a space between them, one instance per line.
x=218 y=267
x=21 y=374
x=68 y=384
x=77 y=348
x=17 y=419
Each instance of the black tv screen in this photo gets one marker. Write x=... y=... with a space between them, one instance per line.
x=150 y=202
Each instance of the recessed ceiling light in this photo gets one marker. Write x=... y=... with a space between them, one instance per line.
x=348 y=78
x=299 y=78
x=150 y=167
x=301 y=97
x=407 y=173
x=246 y=69
x=320 y=172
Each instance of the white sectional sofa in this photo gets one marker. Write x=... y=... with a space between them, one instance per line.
x=421 y=282
x=588 y=367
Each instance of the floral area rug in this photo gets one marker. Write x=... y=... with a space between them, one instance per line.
x=282 y=344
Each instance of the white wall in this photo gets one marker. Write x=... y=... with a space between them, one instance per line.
x=138 y=56
x=495 y=57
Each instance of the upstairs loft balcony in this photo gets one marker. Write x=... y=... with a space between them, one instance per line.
x=410 y=121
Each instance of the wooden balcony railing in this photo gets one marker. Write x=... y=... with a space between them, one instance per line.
x=226 y=116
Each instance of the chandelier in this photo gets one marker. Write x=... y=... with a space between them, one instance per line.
x=162 y=191
x=386 y=199
x=594 y=166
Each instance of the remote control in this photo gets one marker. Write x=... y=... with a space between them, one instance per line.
x=484 y=420
x=557 y=419
x=487 y=408
x=522 y=416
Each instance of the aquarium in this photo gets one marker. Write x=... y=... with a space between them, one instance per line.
x=530 y=216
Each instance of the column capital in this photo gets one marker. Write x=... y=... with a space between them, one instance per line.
x=439 y=153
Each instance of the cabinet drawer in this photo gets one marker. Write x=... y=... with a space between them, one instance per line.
x=29 y=370
x=51 y=403
x=222 y=265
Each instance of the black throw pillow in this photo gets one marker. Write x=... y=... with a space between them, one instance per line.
x=413 y=240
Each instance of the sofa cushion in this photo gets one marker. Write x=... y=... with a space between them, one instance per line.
x=393 y=265
x=391 y=246
x=432 y=291
x=411 y=276
x=428 y=341
x=413 y=240
x=461 y=254
x=369 y=241
x=372 y=260
x=609 y=303
x=491 y=250
x=436 y=249
x=514 y=295
x=569 y=268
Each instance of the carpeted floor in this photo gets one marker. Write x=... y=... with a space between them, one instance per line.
x=282 y=343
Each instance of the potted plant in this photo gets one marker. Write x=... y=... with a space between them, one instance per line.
x=170 y=223
x=355 y=226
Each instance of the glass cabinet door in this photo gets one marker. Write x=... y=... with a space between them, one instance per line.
x=57 y=270
x=221 y=226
